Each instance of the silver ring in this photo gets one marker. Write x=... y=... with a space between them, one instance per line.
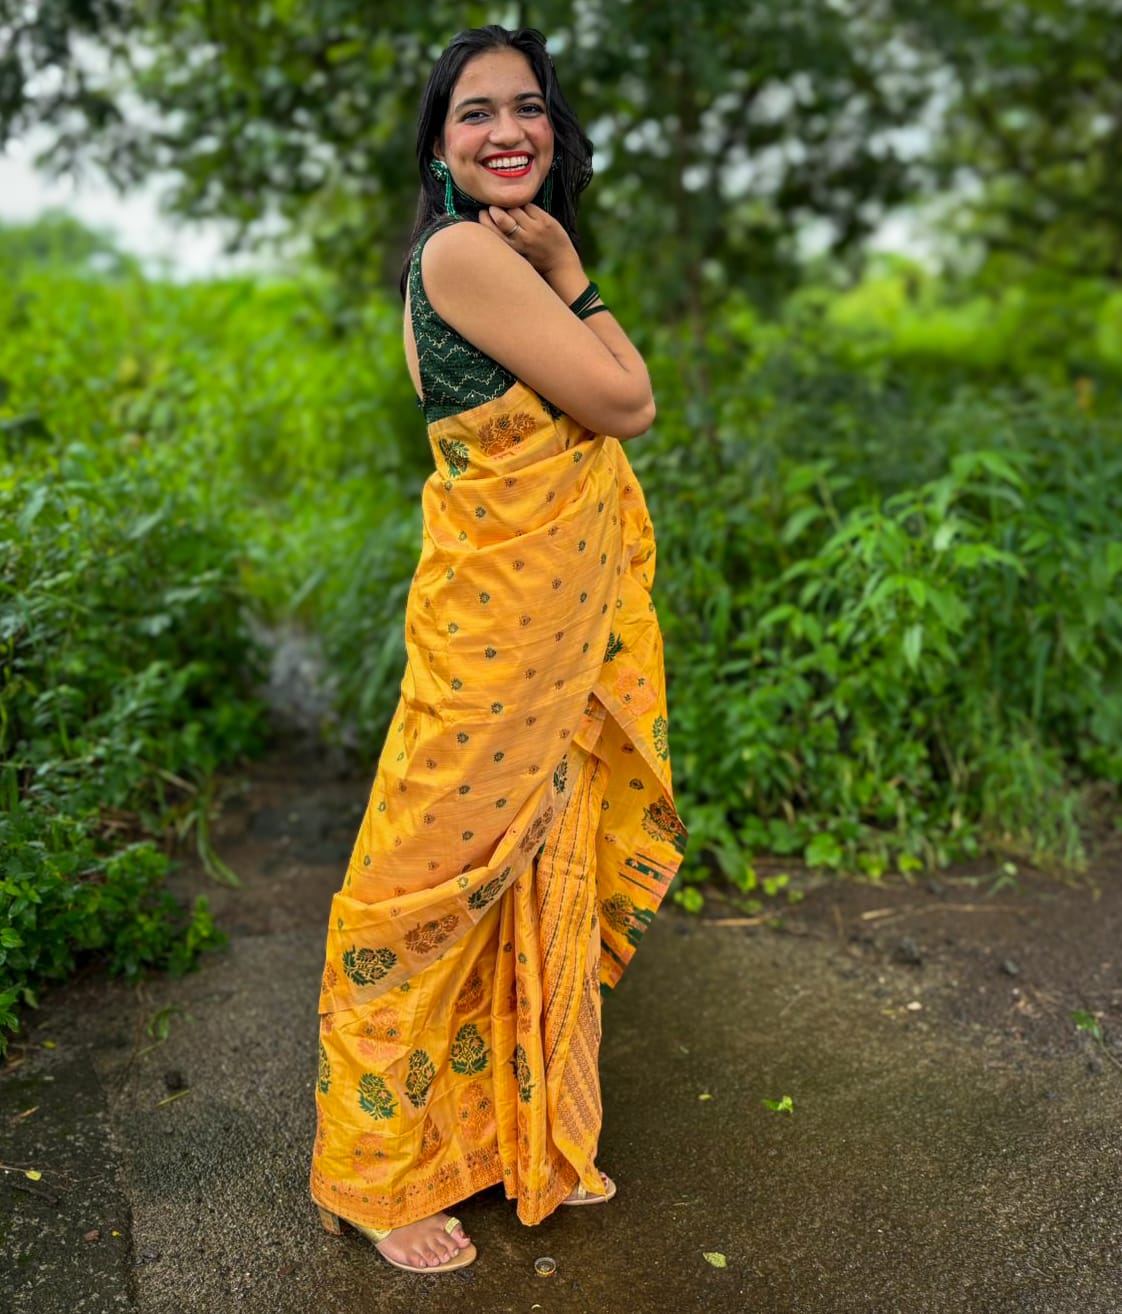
x=517 y=228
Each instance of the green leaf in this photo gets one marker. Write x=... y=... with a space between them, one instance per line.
x=823 y=851
x=715 y=1258
x=913 y=645
x=784 y=1105
x=1085 y=1021
x=690 y=898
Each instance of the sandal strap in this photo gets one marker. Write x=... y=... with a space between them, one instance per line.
x=451 y=1225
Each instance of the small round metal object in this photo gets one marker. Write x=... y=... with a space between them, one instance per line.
x=545 y=1267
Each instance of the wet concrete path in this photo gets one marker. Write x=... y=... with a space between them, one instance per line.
x=925 y=1168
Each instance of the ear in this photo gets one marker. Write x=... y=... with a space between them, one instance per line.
x=437 y=150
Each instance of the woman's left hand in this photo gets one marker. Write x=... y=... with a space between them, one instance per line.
x=535 y=235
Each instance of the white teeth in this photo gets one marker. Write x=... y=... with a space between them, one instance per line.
x=509 y=162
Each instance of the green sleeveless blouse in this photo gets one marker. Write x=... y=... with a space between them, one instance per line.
x=455 y=375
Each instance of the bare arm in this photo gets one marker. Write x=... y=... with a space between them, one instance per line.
x=494 y=296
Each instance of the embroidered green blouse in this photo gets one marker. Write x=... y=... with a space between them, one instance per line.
x=455 y=375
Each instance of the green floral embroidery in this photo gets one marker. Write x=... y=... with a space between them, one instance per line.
x=456 y=454
x=374 y=1097
x=468 y=1054
x=521 y=1066
x=618 y=911
x=422 y=1072
x=485 y=894
x=661 y=737
x=366 y=966
x=560 y=774
x=324 y=1070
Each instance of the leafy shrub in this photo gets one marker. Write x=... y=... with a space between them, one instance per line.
x=125 y=680
x=60 y=896
x=869 y=670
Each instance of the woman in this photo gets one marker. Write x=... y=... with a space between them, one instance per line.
x=520 y=833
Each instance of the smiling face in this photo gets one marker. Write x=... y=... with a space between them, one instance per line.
x=498 y=141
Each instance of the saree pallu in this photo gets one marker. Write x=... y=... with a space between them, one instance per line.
x=519 y=837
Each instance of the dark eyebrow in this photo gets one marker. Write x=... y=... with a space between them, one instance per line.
x=486 y=100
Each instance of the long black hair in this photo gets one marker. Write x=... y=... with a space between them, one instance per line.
x=572 y=151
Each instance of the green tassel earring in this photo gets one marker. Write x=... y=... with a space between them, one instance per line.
x=547 y=188
x=442 y=173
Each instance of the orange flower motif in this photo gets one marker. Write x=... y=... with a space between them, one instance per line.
x=502 y=434
x=428 y=936
x=476 y=1112
x=634 y=689
x=430 y=1142
x=370 y=1157
x=380 y=1036
x=471 y=995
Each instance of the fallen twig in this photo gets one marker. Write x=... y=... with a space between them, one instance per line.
x=939 y=907
x=177 y=1096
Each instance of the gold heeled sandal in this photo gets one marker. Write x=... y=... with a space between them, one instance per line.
x=583 y=1197
x=333 y=1223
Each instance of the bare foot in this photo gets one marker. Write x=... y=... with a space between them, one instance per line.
x=424 y=1244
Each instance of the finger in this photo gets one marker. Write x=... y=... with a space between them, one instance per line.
x=506 y=224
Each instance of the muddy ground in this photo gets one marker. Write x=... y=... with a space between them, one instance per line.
x=954 y=1144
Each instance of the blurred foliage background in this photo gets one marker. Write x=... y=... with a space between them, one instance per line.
x=888 y=491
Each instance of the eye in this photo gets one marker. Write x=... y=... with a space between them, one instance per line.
x=533 y=109
x=472 y=115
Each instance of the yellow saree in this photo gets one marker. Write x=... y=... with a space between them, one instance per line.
x=519 y=836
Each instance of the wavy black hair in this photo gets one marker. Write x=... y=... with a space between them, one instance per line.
x=572 y=151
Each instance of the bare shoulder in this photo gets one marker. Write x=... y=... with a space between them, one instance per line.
x=467 y=253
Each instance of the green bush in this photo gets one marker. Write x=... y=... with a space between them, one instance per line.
x=894 y=629
x=61 y=895
x=126 y=677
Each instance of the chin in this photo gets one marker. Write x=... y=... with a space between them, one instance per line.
x=507 y=197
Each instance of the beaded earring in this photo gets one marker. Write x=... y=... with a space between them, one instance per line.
x=442 y=173
x=547 y=187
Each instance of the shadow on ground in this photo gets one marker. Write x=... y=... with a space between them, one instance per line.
x=937 y=1158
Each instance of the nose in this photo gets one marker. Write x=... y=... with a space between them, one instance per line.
x=506 y=130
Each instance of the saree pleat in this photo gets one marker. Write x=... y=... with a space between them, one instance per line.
x=519 y=836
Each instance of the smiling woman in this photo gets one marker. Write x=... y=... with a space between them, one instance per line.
x=521 y=830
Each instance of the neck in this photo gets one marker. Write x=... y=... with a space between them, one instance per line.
x=465 y=203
